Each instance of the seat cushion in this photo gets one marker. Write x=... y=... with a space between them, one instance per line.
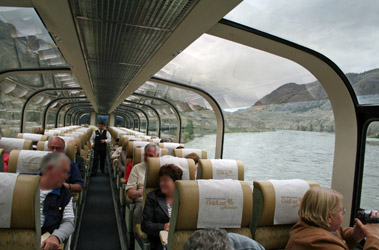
x=273 y=237
x=18 y=239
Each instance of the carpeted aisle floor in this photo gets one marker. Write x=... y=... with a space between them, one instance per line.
x=98 y=230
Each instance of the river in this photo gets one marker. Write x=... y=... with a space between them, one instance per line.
x=292 y=154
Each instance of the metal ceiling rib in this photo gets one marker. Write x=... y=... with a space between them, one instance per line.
x=120 y=36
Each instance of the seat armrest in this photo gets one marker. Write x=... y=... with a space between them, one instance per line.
x=122 y=181
x=163 y=235
x=139 y=232
x=75 y=197
x=128 y=199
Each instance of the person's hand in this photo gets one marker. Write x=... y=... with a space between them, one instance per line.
x=102 y=141
x=366 y=230
x=140 y=192
x=51 y=243
x=66 y=185
x=90 y=146
x=166 y=226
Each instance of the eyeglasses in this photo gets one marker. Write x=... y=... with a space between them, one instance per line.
x=52 y=148
x=342 y=211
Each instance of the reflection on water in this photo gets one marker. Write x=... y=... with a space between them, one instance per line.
x=292 y=154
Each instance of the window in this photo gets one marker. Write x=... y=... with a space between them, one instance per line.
x=85 y=119
x=119 y=121
x=370 y=185
x=103 y=118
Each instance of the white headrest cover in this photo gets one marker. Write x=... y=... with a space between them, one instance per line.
x=224 y=169
x=29 y=161
x=7 y=184
x=187 y=151
x=11 y=143
x=33 y=137
x=182 y=163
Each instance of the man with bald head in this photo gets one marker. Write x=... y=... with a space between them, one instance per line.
x=57 y=215
x=74 y=182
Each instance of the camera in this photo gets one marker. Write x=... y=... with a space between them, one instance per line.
x=365 y=216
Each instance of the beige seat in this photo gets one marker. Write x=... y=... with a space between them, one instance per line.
x=69 y=148
x=184 y=152
x=152 y=183
x=23 y=231
x=15 y=143
x=220 y=169
x=170 y=146
x=155 y=141
x=139 y=152
x=134 y=144
x=25 y=161
x=186 y=209
x=33 y=137
x=263 y=229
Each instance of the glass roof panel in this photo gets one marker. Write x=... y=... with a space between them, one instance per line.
x=344 y=31
x=25 y=42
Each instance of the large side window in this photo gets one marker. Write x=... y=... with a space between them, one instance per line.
x=370 y=184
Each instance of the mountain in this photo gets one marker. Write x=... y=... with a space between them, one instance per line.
x=366 y=83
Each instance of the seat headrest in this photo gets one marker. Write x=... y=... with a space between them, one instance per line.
x=186 y=151
x=132 y=145
x=155 y=164
x=187 y=202
x=266 y=193
x=170 y=146
x=25 y=161
x=15 y=143
x=221 y=169
x=155 y=141
x=33 y=137
x=139 y=152
x=19 y=201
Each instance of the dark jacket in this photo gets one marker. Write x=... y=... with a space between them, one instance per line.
x=103 y=136
x=53 y=208
x=155 y=216
x=74 y=176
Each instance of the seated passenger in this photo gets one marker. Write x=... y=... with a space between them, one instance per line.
x=158 y=206
x=163 y=140
x=196 y=159
x=74 y=181
x=57 y=215
x=79 y=160
x=6 y=160
x=319 y=227
x=134 y=186
x=213 y=238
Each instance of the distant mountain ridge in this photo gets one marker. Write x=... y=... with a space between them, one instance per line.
x=366 y=83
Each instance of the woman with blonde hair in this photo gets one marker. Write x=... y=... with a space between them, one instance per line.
x=319 y=227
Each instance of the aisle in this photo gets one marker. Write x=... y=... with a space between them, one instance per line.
x=99 y=226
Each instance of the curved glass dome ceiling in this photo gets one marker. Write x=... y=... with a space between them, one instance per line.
x=345 y=31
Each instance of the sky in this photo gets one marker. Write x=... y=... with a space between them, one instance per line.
x=346 y=31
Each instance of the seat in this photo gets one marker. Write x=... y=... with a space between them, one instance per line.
x=33 y=137
x=20 y=225
x=220 y=169
x=186 y=151
x=170 y=146
x=69 y=148
x=15 y=143
x=152 y=183
x=139 y=153
x=197 y=205
x=134 y=144
x=270 y=234
x=25 y=161
x=155 y=141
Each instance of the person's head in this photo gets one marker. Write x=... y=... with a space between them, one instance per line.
x=209 y=238
x=322 y=207
x=101 y=125
x=151 y=150
x=179 y=147
x=39 y=131
x=196 y=159
x=56 y=144
x=73 y=142
x=168 y=174
x=55 y=168
x=163 y=140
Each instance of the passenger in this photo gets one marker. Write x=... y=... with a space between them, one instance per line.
x=180 y=147
x=74 y=181
x=57 y=215
x=163 y=140
x=79 y=160
x=196 y=159
x=213 y=238
x=134 y=186
x=99 y=140
x=319 y=227
x=158 y=206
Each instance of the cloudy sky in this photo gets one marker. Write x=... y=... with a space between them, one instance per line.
x=346 y=31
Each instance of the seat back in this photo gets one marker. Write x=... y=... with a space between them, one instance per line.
x=69 y=148
x=197 y=205
x=20 y=226
x=271 y=198
x=220 y=169
x=155 y=164
x=25 y=161
x=139 y=152
x=170 y=146
x=186 y=151
x=9 y=144
x=134 y=144
x=155 y=141
x=33 y=137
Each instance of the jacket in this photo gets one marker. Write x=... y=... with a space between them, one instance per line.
x=304 y=236
x=155 y=216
